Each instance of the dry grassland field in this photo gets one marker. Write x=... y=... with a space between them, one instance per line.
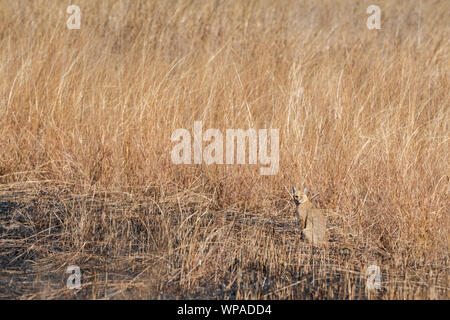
x=120 y=177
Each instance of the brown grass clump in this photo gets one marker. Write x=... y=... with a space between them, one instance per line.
x=86 y=178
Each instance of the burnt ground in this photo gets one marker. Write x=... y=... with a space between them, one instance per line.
x=16 y=254
x=35 y=252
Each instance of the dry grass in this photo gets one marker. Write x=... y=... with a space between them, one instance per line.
x=86 y=176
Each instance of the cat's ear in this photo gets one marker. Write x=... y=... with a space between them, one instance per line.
x=305 y=191
x=294 y=190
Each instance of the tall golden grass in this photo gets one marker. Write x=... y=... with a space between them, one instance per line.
x=86 y=118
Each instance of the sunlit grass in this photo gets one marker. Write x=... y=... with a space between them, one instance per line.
x=86 y=118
